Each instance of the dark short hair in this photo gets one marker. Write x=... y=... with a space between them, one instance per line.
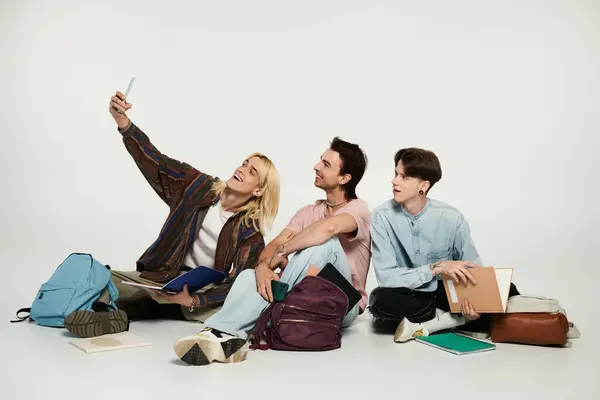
x=420 y=163
x=354 y=162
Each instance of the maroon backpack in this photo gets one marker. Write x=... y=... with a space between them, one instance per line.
x=308 y=319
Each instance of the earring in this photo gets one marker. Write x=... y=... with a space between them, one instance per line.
x=421 y=192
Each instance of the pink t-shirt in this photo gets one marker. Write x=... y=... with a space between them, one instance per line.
x=357 y=248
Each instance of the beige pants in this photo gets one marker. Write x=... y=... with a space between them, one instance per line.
x=131 y=293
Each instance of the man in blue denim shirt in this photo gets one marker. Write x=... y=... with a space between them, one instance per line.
x=415 y=242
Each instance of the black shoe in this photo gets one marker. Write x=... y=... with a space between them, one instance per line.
x=84 y=323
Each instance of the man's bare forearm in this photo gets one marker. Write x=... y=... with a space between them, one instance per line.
x=270 y=251
x=315 y=234
x=319 y=232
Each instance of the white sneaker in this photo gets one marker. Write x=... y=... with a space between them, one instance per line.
x=407 y=330
x=210 y=345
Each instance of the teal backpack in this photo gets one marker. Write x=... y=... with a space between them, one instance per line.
x=75 y=285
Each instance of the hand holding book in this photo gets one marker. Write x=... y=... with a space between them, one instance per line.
x=183 y=298
x=488 y=295
x=467 y=310
x=456 y=270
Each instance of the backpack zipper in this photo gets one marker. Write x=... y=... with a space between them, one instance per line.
x=307 y=310
x=304 y=321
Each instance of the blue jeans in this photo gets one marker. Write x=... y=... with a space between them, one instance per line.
x=244 y=305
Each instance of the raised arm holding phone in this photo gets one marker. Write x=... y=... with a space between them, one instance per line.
x=214 y=223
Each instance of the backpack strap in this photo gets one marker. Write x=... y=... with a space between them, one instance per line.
x=261 y=336
x=21 y=319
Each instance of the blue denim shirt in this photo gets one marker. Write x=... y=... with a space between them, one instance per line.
x=405 y=245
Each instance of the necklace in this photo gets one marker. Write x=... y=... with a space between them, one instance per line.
x=335 y=205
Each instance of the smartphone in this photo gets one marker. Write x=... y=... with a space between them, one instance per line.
x=126 y=93
x=279 y=290
x=129 y=88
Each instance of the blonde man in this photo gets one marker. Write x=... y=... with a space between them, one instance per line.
x=213 y=223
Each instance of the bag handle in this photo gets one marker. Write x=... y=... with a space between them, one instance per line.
x=261 y=330
x=21 y=319
x=91 y=258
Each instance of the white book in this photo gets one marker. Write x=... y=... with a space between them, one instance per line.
x=115 y=341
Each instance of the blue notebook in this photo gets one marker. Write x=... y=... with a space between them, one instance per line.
x=196 y=279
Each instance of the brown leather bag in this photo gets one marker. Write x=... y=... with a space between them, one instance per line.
x=545 y=329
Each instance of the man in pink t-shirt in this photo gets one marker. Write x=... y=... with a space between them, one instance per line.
x=335 y=230
x=356 y=244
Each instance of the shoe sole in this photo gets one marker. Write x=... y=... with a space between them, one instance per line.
x=476 y=335
x=196 y=350
x=86 y=324
x=398 y=337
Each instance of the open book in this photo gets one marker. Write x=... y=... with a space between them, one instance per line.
x=196 y=279
x=490 y=295
x=109 y=342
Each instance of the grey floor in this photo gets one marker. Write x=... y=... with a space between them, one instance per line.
x=503 y=91
x=40 y=363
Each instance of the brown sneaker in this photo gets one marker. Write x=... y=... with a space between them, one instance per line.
x=84 y=323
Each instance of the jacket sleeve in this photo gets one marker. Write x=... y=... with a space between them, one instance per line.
x=464 y=247
x=247 y=258
x=168 y=177
x=388 y=272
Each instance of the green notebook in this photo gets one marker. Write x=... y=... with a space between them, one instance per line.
x=456 y=343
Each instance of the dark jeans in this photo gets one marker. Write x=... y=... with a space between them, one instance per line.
x=391 y=305
x=146 y=308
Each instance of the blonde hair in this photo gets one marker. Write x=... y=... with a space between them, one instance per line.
x=261 y=210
